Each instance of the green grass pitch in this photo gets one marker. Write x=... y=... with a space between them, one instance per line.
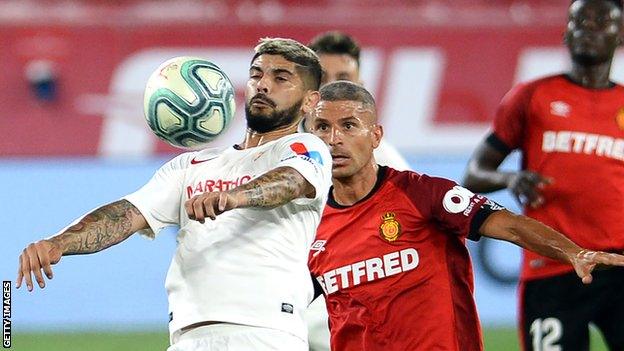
x=495 y=339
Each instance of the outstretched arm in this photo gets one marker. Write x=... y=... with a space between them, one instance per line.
x=270 y=190
x=96 y=231
x=537 y=237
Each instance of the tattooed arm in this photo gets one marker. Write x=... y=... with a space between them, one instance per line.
x=96 y=231
x=272 y=189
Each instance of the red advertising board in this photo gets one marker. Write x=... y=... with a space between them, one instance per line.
x=438 y=85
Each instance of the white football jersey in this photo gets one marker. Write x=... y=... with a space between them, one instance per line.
x=249 y=266
x=388 y=155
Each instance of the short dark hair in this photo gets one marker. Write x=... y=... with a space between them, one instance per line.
x=336 y=43
x=343 y=90
x=308 y=64
x=617 y=3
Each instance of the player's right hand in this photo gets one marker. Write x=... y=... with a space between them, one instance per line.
x=526 y=187
x=209 y=205
x=35 y=257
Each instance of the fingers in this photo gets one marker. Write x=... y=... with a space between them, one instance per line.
x=223 y=199
x=35 y=265
x=188 y=206
x=610 y=259
x=22 y=270
x=202 y=206
x=583 y=270
x=44 y=259
x=526 y=188
x=25 y=269
x=20 y=275
x=586 y=261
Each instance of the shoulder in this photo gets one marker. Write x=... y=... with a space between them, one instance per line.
x=411 y=179
x=528 y=88
x=187 y=159
x=301 y=137
x=302 y=144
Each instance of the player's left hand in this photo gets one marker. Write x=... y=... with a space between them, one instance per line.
x=585 y=261
x=209 y=205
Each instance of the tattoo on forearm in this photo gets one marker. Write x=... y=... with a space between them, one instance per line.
x=102 y=228
x=274 y=188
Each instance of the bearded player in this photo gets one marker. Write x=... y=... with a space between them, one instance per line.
x=570 y=130
x=390 y=254
x=247 y=216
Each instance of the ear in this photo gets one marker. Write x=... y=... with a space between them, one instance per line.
x=310 y=100
x=377 y=135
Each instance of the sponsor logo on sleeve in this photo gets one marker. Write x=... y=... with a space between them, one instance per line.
x=457 y=199
x=318 y=246
x=301 y=150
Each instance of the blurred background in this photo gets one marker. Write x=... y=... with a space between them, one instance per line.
x=74 y=135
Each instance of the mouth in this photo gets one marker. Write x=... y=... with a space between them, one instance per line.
x=339 y=159
x=261 y=103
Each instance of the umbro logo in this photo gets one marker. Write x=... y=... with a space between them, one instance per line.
x=560 y=108
x=195 y=161
x=318 y=246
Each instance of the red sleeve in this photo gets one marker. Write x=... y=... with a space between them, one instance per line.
x=511 y=115
x=455 y=209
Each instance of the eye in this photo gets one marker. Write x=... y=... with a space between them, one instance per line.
x=281 y=79
x=323 y=127
x=349 y=125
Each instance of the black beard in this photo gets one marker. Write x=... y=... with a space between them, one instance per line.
x=277 y=119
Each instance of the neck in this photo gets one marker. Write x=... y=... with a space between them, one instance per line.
x=350 y=190
x=593 y=77
x=254 y=138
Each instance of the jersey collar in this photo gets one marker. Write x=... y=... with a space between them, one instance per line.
x=381 y=175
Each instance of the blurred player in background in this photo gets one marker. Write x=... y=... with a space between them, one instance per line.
x=570 y=130
x=240 y=280
x=390 y=253
x=340 y=58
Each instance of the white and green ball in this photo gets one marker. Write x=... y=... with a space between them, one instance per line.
x=188 y=101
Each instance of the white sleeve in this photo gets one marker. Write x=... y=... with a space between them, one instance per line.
x=308 y=155
x=160 y=199
x=388 y=155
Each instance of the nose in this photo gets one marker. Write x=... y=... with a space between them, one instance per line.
x=335 y=136
x=263 y=85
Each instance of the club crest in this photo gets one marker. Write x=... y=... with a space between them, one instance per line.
x=619 y=118
x=390 y=228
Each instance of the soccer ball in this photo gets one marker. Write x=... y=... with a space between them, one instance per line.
x=188 y=101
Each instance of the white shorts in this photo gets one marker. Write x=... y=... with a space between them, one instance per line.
x=236 y=337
